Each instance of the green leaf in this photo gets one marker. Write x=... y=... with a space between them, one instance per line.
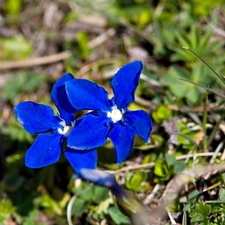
x=161 y=169
x=134 y=183
x=50 y=205
x=16 y=132
x=16 y=48
x=13 y=7
x=32 y=218
x=82 y=40
x=179 y=166
x=222 y=194
x=162 y=112
x=6 y=209
x=23 y=83
x=200 y=213
x=85 y=190
x=171 y=79
x=104 y=205
x=138 y=178
x=195 y=37
x=185 y=136
x=117 y=216
x=192 y=93
x=100 y=194
x=170 y=160
x=145 y=17
x=193 y=195
x=149 y=158
x=79 y=206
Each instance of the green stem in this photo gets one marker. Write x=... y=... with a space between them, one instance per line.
x=214 y=72
x=204 y=121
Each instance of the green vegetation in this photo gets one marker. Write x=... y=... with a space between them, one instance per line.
x=92 y=39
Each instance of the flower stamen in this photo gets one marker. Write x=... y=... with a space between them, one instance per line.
x=64 y=130
x=116 y=115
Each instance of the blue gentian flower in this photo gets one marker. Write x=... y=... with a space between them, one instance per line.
x=40 y=119
x=109 y=117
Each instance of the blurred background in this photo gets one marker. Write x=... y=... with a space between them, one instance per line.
x=40 y=40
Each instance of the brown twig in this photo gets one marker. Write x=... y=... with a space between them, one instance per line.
x=35 y=62
x=151 y=164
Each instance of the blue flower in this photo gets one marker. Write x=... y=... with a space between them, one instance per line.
x=40 y=119
x=109 y=117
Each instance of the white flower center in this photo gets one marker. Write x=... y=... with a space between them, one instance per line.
x=116 y=115
x=66 y=129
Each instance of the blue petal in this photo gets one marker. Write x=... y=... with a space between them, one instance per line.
x=97 y=177
x=61 y=100
x=125 y=82
x=36 y=118
x=140 y=121
x=45 y=150
x=86 y=95
x=103 y=179
x=122 y=137
x=89 y=132
x=82 y=158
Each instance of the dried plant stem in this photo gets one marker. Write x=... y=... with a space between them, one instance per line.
x=35 y=62
x=148 y=199
x=151 y=164
x=173 y=222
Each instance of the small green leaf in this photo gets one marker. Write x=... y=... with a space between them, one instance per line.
x=161 y=169
x=179 y=166
x=170 y=160
x=149 y=158
x=104 y=205
x=134 y=183
x=200 y=213
x=192 y=195
x=23 y=83
x=16 y=48
x=79 y=206
x=222 y=194
x=13 y=7
x=161 y=113
x=6 y=209
x=118 y=217
x=82 y=40
x=50 y=205
x=100 y=194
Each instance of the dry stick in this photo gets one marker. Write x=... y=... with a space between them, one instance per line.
x=217 y=30
x=53 y=58
x=219 y=147
x=148 y=199
x=35 y=62
x=102 y=38
x=151 y=164
x=173 y=222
